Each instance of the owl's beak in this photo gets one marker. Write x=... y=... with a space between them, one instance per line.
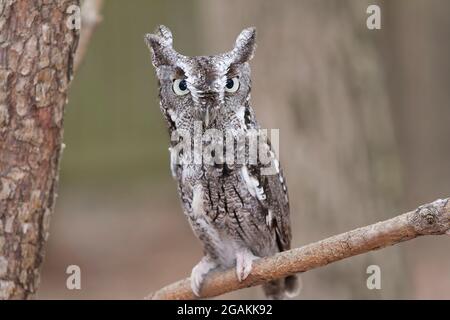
x=206 y=117
x=208 y=107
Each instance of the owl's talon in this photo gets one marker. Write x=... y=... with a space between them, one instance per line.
x=199 y=273
x=244 y=264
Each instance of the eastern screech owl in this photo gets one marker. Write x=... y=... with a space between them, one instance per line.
x=238 y=213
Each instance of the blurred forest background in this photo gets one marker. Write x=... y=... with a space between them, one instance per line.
x=364 y=125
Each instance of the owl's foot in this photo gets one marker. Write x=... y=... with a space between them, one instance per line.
x=199 y=273
x=244 y=264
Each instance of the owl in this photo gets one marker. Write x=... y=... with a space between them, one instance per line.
x=237 y=211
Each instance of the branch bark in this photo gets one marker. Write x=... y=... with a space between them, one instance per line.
x=429 y=219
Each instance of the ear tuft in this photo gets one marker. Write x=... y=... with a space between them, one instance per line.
x=245 y=45
x=160 y=45
x=154 y=44
x=165 y=34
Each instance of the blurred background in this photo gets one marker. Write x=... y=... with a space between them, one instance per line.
x=364 y=130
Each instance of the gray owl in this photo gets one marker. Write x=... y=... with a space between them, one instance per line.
x=238 y=213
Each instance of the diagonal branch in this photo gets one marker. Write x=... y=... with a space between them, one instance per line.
x=429 y=219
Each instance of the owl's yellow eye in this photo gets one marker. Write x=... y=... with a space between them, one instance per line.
x=180 y=87
x=232 y=85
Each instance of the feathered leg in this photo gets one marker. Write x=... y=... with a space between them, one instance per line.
x=199 y=273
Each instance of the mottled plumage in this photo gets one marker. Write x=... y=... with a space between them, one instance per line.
x=237 y=212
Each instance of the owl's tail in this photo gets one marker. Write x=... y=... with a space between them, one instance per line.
x=280 y=289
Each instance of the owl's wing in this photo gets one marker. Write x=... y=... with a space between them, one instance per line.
x=276 y=201
x=278 y=208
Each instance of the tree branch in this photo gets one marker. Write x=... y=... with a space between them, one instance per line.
x=429 y=219
x=90 y=18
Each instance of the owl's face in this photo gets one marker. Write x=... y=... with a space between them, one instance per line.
x=212 y=90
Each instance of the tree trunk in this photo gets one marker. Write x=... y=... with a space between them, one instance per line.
x=318 y=77
x=36 y=57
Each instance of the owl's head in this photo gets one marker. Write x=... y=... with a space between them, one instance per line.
x=211 y=89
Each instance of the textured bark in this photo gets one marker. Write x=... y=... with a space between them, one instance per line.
x=36 y=57
x=318 y=77
x=430 y=219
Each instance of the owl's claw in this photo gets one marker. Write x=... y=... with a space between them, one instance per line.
x=244 y=264
x=199 y=273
